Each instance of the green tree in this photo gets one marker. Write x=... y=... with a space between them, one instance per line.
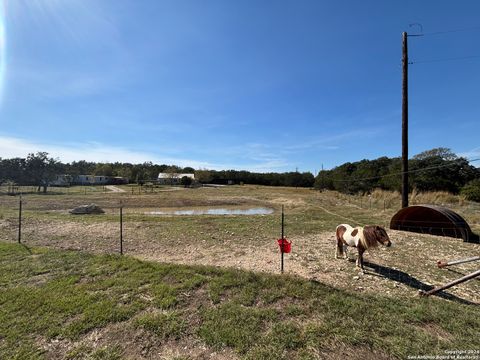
x=441 y=152
x=188 y=170
x=81 y=167
x=13 y=170
x=42 y=169
x=204 y=176
x=186 y=181
x=442 y=172
x=471 y=190
x=103 y=170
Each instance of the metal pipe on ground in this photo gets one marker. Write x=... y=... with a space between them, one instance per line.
x=442 y=264
x=450 y=284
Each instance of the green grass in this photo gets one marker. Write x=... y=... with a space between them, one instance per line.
x=163 y=325
x=304 y=213
x=61 y=295
x=48 y=295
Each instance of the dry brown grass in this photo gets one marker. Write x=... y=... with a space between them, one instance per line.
x=248 y=242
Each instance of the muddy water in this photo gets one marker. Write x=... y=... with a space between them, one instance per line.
x=252 y=211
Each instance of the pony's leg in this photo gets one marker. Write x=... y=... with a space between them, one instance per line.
x=345 y=248
x=361 y=250
x=339 y=249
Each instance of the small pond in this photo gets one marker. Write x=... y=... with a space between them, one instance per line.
x=252 y=211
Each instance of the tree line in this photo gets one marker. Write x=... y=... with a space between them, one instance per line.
x=225 y=177
x=437 y=169
x=40 y=170
x=433 y=170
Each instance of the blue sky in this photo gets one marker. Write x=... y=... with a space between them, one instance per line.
x=256 y=85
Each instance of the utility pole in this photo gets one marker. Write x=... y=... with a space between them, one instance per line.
x=321 y=179
x=404 y=121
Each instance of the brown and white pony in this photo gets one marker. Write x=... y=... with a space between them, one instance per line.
x=361 y=238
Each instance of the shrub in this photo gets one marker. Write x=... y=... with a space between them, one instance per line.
x=471 y=190
x=186 y=181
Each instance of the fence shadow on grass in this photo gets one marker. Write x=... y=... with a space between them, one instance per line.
x=404 y=278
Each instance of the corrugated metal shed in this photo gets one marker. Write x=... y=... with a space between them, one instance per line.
x=435 y=220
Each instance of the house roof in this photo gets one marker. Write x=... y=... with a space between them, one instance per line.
x=175 y=175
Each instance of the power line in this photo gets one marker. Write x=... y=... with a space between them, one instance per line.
x=400 y=173
x=474 y=28
x=446 y=59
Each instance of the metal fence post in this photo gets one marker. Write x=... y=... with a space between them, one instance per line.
x=121 y=229
x=283 y=239
x=20 y=220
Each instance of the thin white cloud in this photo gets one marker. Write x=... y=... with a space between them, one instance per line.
x=12 y=147
x=90 y=151
x=333 y=141
x=52 y=84
x=253 y=156
x=471 y=154
x=77 y=20
x=269 y=166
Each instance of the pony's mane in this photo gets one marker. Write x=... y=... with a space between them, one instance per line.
x=369 y=238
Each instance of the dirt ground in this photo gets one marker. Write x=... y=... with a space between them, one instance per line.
x=246 y=242
x=401 y=270
x=312 y=257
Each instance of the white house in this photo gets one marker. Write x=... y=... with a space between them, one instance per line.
x=61 y=180
x=67 y=180
x=91 y=180
x=173 y=178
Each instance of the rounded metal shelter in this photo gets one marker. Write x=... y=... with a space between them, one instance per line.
x=435 y=220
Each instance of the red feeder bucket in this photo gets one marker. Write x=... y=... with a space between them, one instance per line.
x=285 y=245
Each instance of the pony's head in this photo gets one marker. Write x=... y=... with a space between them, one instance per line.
x=376 y=234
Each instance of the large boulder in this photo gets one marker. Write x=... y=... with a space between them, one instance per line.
x=87 y=209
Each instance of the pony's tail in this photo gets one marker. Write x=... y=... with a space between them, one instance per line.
x=363 y=241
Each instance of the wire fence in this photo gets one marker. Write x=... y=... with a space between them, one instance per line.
x=113 y=233
x=28 y=225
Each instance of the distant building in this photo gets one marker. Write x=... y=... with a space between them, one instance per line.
x=173 y=178
x=90 y=180
x=118 y=180
x=61 y=180
x=67 y=180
